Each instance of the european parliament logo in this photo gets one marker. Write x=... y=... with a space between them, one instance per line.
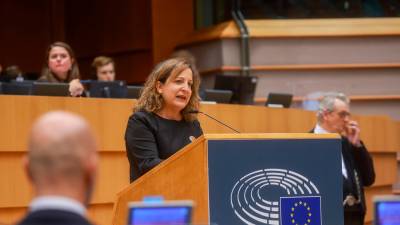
x=304 y=210
x=276 y=196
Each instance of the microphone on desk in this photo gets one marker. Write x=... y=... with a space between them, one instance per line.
x=106 y=92
x=220 y=122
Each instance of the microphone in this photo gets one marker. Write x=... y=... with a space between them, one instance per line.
x=106 y=92
x=220 y=122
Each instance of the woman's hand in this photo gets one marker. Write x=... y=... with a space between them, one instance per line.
x=75 y=88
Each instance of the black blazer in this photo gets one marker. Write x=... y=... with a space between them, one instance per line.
x=357 y=160
x=53 y=217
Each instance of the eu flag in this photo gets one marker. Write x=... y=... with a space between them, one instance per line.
x=300 y=210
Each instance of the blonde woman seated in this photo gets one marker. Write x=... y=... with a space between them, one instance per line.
x=161 y=123
x=61 y=67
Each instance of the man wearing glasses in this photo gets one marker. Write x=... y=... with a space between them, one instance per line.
x=357 y=168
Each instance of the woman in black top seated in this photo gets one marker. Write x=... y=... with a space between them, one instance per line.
x=161 y=123
x=61 y=67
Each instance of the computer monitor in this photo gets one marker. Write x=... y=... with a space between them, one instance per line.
x=107 y=89
x=16 y=88
x=133 y=91
x=279 y=100
x=218 y=96
x=160 y=213
x=387 y=210
x=50 y=89
x=243 y=87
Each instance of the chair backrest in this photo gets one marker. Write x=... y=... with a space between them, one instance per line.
x=279 y=100
x=16 y=88
x=219 y=96
x=107 y=89
x=133 y=91
x=50 y=89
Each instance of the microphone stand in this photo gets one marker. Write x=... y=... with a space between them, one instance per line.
x=220 y=122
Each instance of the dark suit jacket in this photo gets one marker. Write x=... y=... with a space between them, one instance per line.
x=53 y=217
x=357 y=161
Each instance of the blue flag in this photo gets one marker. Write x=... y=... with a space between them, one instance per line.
x=301 y=210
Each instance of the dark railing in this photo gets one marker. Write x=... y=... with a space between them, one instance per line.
x=244 y=38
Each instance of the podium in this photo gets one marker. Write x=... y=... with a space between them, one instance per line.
x=249 y=179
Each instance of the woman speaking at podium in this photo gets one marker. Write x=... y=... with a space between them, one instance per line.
x=162 y=123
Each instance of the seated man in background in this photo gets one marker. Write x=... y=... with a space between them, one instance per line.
x=61 y=165
x=11 y=73
x=104 y=68
x=357 y=167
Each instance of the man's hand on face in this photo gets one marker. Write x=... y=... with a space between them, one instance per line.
x=352 y=131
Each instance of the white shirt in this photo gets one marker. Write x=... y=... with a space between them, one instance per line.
x=57 y=202
x=319 y=130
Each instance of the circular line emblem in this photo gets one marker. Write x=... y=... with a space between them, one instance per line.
x=252 y=208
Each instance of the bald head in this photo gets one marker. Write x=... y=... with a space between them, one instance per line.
x=61 y=151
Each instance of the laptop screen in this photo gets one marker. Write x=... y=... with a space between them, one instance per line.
x=387 y=210
x=163 y=213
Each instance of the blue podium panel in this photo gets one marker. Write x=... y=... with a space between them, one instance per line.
x=278 y=181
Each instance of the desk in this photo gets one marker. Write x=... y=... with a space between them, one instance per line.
x=108 y=117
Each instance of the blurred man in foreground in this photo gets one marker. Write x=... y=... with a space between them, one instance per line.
x=61 y=165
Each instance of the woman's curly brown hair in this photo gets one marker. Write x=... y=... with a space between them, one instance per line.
x=151 y=101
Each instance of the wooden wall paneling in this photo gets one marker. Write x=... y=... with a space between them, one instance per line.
x=396 y=126
x=368 y=132
x=100 y=214
x=254 y=120
x=184 y=175
x=16 y=190
x=11 y=215
x=121 y=30
x=385 y=165
x=172 y=22
x=24 y=33
x=392 y=135
x=110 y=132
x=57 y=20
x=210 y=126
x=113 y=176
x=103 y=26
x=301 y=121
x=369 y=194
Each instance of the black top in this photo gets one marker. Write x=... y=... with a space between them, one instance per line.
x=150 y=139
x=53 y=217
